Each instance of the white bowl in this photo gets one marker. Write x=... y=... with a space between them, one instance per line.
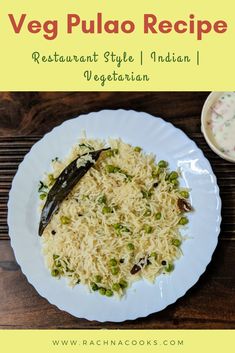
x=211 y=99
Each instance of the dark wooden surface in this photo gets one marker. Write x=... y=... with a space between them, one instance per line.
x=24 y=118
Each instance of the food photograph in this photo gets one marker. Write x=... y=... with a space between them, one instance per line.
x=117 y=210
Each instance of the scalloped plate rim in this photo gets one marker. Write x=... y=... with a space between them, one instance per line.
x=87 y=116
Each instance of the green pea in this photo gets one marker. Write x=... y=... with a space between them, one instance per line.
x=147 y=193
x=55 y=257
x=102 y=199
x=123 y=283
x=183 y=221
x=158 y=216
x=184 y=194
x=58 y=263
x=113 y=262
x=147 y=213
x=173 y=175
x=117 y=170
x=98 y=279
x=106 y=209
x=137 y=149
x=109 y=153
x=110 y=168
x=170 y=267
x=130 y=246
x=144 y=194
x=128 y=177
x=114 y=270
x=155 y=173
x=154 y=255
x=65 y=220
x=109 y=293
x=118 y=232
x=94 y=286
x=55 y=272
x=117 y=226
x=43 y=196
x=148 y=229
x=102 y=291
x=176 y=242
x=116 y=287
x=175 y=182
x=162 y=164
x=51 y=179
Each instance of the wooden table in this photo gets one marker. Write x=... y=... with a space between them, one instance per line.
x=24 y=118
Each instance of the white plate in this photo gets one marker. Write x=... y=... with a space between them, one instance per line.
x=154 y=135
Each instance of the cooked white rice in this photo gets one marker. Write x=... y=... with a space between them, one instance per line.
x=83 y=248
